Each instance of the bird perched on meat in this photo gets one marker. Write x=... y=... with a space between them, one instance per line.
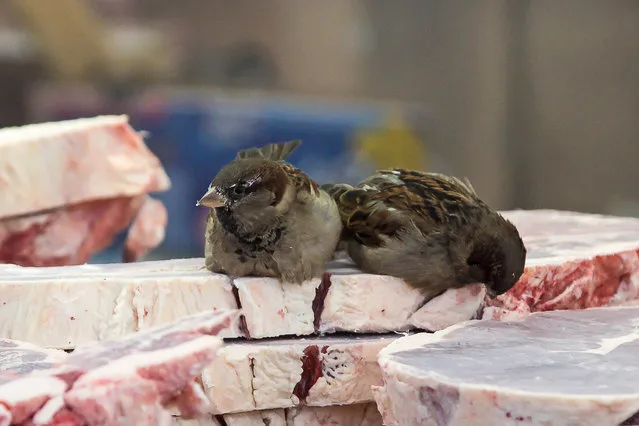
x=429 y=229
x=269 y=218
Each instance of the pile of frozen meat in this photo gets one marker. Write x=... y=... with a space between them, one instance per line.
x=170 y=343
x=310 y=354
x=68 y=188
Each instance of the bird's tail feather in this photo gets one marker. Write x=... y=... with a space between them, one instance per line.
x=273 y=151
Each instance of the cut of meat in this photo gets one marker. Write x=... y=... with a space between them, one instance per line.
x=128 y=381
x=132 y=379
x=147 y=231
x=576 y=367
x=68 y=188
x=66 y=236
x=346 y=415
x=337 y=415
x=61 y=307
x=315 y=371
x=107 y=269
x=21 y=397
x=21 y=394
x=452 y=307
x=364 y=303
x=574 y=261
x=245 y=375
x=50 y=165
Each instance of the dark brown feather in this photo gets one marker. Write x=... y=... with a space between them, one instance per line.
x=275 y=151
x=438 y=198
x=429 y=200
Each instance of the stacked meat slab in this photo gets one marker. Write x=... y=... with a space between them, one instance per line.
x=67 y=188
x=569 y=366
x=133 y=380
x=274 y=374
x=308 y=354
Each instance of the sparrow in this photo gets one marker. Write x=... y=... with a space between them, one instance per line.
x=430 y=229
x=268 y=218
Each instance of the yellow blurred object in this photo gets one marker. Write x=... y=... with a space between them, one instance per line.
x=76 y=45
x=394 y=145
x=67 y=32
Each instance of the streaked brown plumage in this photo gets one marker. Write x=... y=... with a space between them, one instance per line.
x=429 y=229
x=269 y=218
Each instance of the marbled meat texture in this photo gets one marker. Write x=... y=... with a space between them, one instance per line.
x=245 y=376
x=353 y=415
x=147 y=230
x=283 y=373
x=139 y=379
x=574 y=261
x=558 y=368
x=51 y=165
x=62 y=307
x=71 y=235
x=336 y=415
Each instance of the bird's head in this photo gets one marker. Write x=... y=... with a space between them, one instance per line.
x=498 y=255
x=253 y=190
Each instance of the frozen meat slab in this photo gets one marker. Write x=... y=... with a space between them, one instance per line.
x=346 y=299
x=345 y=415
x=560 y=368
x=282 y=373
x=71 y=235
x=135 y=377
x=22 y=394
x=147 y=230
x=305 y=376
x=62 y=307
x=50 y=165
x=574 y=261
x=134 y=380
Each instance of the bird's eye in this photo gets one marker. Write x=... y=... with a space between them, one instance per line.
x=239 y=189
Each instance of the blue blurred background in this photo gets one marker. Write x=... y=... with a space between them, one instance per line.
x=535 y=102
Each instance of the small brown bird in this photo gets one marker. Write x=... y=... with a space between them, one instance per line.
x=269 y=218
x=429 y=229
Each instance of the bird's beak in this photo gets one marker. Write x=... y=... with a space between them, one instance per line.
x=211 y=199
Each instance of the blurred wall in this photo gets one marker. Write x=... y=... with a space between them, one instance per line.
x=535 y=101
x=581 y=89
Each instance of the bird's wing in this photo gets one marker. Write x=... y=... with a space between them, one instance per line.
x=274 y=151
x=386 y=202
x=433 y=196
x=364 y=218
